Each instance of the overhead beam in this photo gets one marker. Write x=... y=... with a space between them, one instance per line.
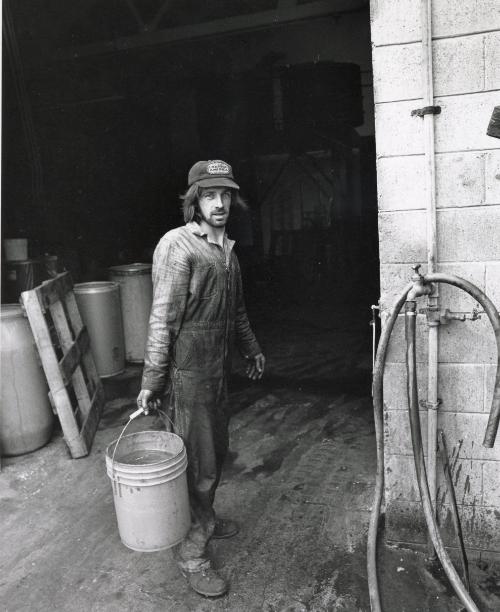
x=284 y=13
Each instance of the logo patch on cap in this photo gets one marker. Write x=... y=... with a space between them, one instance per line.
x=218 y=167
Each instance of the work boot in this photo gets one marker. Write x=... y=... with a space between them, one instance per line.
x=225 y=528
x=207 y=582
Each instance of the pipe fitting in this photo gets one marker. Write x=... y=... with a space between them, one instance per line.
x=420 y=285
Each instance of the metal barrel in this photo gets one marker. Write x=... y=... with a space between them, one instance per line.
x=99 y=305
x=136 y=291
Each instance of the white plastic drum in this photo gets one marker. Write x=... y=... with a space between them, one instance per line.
x=26 y=417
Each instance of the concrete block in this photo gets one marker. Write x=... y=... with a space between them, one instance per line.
x=467 y=342
x=492 y=288
x=489 y=385
x=464 y=436
x=403 y=237
x=491 y=484
x=467 y=478
x=461 y=387
x=455 y=299
x=396 y=352
x=458 y=65
x=461 y=126
x=492 y=60
x=400 y=479
x=467 y=234
x=458 y=68
x=391 y=23
x=400 y=23
x=405 y=523
x=393 y=280
x=397 y=72
x=401 y=183
x=397 y=435
x=492 y=177
x=459 y=179
x=480 y=525
x=450 y=18
x=395 y=391
x=398 y=133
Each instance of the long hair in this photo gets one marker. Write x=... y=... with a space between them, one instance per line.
x=190 y=208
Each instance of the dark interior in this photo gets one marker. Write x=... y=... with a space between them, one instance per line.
x=107 y=105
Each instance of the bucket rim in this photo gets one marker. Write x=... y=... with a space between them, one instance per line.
x=111 y=445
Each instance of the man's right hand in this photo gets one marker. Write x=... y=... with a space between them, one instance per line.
x=147 y=401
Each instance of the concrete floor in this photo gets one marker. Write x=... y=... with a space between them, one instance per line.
x=299 y=479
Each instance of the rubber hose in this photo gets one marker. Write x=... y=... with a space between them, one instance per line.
x=418 y=454
x=378 y=408
x=378 y=413
x=492 y=312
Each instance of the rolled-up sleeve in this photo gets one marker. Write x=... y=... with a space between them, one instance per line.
x=170 y=274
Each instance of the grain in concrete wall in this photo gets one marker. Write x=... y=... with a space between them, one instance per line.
x=466 y=61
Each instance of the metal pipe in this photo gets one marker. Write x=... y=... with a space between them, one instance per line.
x=418 y=454
x=378 y=413
x=432 y=256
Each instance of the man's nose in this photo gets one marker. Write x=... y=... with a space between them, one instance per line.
x=218 y=201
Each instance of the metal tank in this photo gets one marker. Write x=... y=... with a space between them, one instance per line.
x=136 y=292
x=26 y=417
x=99 y=306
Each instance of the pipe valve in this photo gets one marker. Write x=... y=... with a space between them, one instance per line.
x=420 y=285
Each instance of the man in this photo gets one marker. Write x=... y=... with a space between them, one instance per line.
x=197 y=313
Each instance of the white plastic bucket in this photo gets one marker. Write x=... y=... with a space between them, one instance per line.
x=150 y=489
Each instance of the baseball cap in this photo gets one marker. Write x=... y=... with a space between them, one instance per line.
x=212 y=173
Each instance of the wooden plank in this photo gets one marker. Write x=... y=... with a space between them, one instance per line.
x=60 y=397
x=73 y=357
x=66 y=340
x=89 y=427
x=54 y=290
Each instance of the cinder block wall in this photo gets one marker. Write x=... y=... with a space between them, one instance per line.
x=466 y=48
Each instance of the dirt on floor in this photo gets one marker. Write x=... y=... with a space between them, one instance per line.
x=299 y=480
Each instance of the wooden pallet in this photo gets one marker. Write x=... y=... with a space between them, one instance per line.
x=76 y=391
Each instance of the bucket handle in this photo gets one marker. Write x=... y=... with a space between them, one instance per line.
x=131 y=417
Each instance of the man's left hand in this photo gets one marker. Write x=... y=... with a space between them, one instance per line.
x=255 y=367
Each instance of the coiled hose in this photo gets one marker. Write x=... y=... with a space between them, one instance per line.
x=489 y=439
